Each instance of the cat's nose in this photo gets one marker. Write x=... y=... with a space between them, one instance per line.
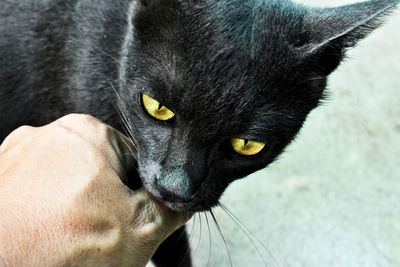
x=170 y=196
x=175 y=186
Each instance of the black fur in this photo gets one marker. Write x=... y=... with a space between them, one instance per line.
x=246 y=69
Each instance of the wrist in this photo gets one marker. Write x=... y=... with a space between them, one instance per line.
x=27 y=238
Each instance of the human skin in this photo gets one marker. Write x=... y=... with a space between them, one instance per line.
x=62 y=201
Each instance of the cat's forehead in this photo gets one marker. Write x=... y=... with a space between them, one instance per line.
x=198 y=46
x=210 y=28
x=214 y=64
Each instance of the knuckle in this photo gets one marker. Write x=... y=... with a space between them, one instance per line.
x=76 y=121
x=86 y=118
x=22 y=129
x=78 y=118
x=16 y=136
x=99 y=165
x=96 y=158
x=89 y=153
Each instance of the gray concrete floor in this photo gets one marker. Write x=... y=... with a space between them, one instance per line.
x=333 y=199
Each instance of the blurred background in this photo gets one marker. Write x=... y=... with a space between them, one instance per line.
x=333 y=198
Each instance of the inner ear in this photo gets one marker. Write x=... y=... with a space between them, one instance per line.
x=326 y=59
x=349 y=23
x=330 y=30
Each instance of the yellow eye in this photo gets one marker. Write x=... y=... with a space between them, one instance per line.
x=155 y=109
x=246 y=147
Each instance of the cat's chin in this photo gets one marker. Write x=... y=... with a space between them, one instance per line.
x=189 y=206
x=134 y=183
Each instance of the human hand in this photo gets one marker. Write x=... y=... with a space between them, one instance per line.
x=62 y=201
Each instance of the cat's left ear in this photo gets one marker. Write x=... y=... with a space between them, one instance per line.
x=328 y=31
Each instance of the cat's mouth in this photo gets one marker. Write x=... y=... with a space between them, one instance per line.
x=133 y=180
x=188 y=205
x=181 y=206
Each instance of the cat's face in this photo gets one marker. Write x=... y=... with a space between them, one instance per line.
x=224 y=72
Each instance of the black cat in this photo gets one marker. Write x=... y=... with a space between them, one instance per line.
x=236 y=80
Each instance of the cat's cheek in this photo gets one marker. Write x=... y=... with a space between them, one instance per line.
x=148 y=172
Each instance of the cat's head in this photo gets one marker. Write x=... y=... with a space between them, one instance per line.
x=235 y=79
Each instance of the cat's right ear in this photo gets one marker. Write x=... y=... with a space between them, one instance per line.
x=329 y=31
x=150 y=14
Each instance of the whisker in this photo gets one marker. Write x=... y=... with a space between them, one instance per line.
x=125 y=126
x=124 y=119
x=222 y=236
x=192 y=229
x=188 y=249
x=249 y=234
x=125 y=122
x=209 y=238
x=286 y=115
x=110 y=56
x=312 y=79
x=190 y=236
x=130 y=154
x=198 y=241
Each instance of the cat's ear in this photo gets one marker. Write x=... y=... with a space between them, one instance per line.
x=151 y=17
x=329 y=31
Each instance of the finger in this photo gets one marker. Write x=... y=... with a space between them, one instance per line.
x=84 y=125
x=153 y=221
x=91 y=130
x=126 y=154
x=123 y=146
x=16 y=137
x=117 y=148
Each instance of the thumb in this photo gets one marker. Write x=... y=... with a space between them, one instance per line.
x=126 y=152
x=155 y=221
